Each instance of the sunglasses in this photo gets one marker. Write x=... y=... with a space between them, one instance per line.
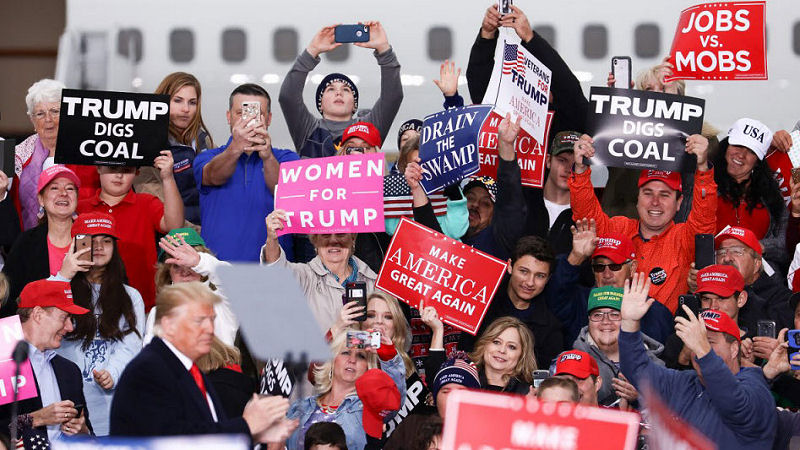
x=600 y=268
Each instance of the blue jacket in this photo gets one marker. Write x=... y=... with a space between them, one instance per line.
x=569 y=301
x=734 y=411
x=348 y=415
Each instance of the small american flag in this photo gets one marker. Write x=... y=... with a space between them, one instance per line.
x=397 y=200
x=33 y=439
x=513 y=58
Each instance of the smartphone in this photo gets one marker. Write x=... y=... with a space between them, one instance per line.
x=363 y=339
x=794 y=345
x=357 y=292
x=621 y=69
x=83 y=241
x=704 y=250
x=766 y=328
x=7 y=147
x=689 y=300
x=351 y=33
x=80 y=408
x=504 y=6
x=795 y=175
x=539 y=376
x=250 y=111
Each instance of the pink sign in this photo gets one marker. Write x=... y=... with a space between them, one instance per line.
x=339 y=194
x=10 y=334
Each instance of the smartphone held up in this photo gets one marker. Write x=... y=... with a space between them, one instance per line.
x=351 y=33
x=363 y=339
x=621 y=69
x=83 y=241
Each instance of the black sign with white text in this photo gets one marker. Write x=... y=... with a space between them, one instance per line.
x=642 y=129
x=111 y=128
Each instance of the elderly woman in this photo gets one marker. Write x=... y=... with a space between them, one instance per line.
x=336 y=399
x=39 y=252
x=324 y=277
x=37 y=152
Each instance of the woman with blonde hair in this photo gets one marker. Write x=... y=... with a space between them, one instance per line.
x=336 y=399
x=504 y=356
x=188 y=136
x=222 y=366
x=385 y=316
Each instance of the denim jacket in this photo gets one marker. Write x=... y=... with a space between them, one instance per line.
x=348 y=415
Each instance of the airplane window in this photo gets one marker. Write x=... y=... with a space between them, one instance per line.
x=338 y=54
x=548 y=32
x=129 y=43
x=647 y=38
x=284 y=44
x=181 y=45
x=440 y=43
x=595 y=41
x=234 y=45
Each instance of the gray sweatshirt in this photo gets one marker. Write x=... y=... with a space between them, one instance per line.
x=314 y=137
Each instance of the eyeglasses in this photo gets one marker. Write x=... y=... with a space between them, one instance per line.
x=598 y=316
x=52 y=112
x=734 y=251
x=600 y=268
x=354 y=150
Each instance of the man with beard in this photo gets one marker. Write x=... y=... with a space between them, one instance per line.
x=522 y=294
x=664 y=249
x=497 y=209
x=728 y=403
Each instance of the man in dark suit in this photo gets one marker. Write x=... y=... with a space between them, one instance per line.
x=162 y=392
x=45 y=311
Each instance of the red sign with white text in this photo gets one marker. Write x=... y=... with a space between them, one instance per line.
x=669 y=432
x=519 y=422
x=720 y=41
x=456 y=279
x=530 y=153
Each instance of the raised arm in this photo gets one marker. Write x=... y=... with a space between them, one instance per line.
x=391 y=96
x=510 y=209
x=173 y=202
x=481 y=56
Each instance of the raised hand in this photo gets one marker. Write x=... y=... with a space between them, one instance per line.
x=72 y=263
x=164 y=163
x=323 y=41
x=635 y=301
x=507 y=133
x=583 y=148
x=697 y=144
x=584 y=239
x=448 y=82
x=377 y=38
x=491 y=21
x=430 y=317
x=517 y=20
x=182 y=253
x=275 y=221
x=347 y=316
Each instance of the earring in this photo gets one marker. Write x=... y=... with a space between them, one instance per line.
x=330 y=374
x=40 y=213
x=74 y=216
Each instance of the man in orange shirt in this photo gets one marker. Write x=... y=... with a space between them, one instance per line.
x=664 y=249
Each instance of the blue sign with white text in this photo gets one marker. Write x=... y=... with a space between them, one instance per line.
x=449 y=145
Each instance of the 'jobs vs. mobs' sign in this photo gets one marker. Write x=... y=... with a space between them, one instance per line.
x=720 y=41
x=111 y=128
x=642 y=129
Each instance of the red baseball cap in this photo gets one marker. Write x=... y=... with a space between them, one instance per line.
x=380 y=396
x=93 y=223
x=46 y=293
x=742 y=235
x=719 y=321
x=615 y=246
x=576 y=363
x=720 y=279
x=53 y=172
x=365 y=131
x=672 y=179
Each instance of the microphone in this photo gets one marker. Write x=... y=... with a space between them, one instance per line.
x=20 y=353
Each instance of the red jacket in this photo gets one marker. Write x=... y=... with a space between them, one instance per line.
x=671 y=251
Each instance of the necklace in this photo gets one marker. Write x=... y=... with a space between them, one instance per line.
x=328 y=409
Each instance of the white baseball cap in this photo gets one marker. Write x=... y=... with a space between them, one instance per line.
x=752 y=134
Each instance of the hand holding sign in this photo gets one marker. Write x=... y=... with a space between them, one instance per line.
x=275 y=220
x=583 y=149
x=507 y=133
x=164 y=164
x=697 y=145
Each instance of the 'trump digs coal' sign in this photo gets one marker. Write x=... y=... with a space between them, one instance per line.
x=111 y=128
x=524 y=423
x=720 y=41
x=641 y=129
x=456 y=279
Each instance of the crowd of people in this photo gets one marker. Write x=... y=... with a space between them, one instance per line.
x=113 y=272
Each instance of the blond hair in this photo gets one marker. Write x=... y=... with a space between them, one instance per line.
x=323 y=374
x=400 y=332
x=176 y=295
x=221 y=355
x=527 y=359
x=163 y=277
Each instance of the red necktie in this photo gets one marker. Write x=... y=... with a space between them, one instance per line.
x=198 y=379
